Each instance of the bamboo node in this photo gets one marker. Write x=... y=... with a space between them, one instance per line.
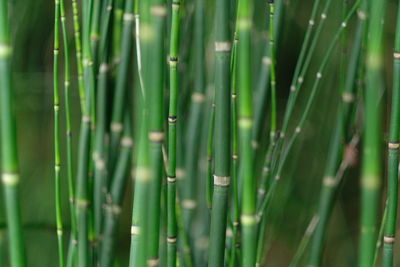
x=389 y=239
x=235 y=156
x=156 y=136
x=126 y=141
x=248 y=219
x=135 y=230
x=189 y=204
x=153 y=262
x=222 y=46
x=344 y=24
x=292 y=88
x=254 y=144
x=222 y=180
x=229 y=232
x=129 y=17
x=175 y=4
x=59 y=232
x=100 y=164
x=396 y=55
x=86 y=119
x=347 y=97
x=300 y=80
x=370 y=182
x=171 y=239
x=261 y=191
x=104 y=67
x=172 y=119
x=298 y=129
x=116 y=127
x=235 y=223
x=266 y=61
x=323 y=16
x=319 y=75
x=82 y=203
x=198 y=97
x=158 y=10
x=329 y=181
x=245 y=122
x=244 y=23
x=234 y=95
x=393 y=145
x=10 y=178
x=142 y=174
x=361 y=15
x=171 y=179
x=311 y=22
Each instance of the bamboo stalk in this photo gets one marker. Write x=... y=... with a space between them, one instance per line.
x=172 y=121
x=371 y=165
x=248 y=218
x=222 y=135
x=9 y=154
x=57 y=156
x=393 y=155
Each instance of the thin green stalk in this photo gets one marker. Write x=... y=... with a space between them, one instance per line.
x=222 y=135
x=57 y=156
x=272 y=68
x=233 y=257
x=100 y=155
x=248 y=217
x=78 y=53
x=371 y=165
x=71 y=191
x=120 y=93
x=393 y=155
x=153 y=41
x=82 y=185
x=9 y=155
x=172 y=120
x=196 y=113
x=210 y=146
x=380 y=234
x=114 y=202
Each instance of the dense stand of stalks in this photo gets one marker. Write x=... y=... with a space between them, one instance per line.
x=211 y=188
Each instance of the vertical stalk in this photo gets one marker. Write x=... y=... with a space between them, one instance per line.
x=393 y=155
x=57 y=156
x=71 y=191
x=172 y=120
x=272 y=68
x=153 y=39
x=248 y=218
x=222 y=135
x=8 y=135
x=371 y=165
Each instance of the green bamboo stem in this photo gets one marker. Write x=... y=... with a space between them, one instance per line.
x=100 y=157
x=57 y=156
x=120 y=93
x=272 y=68
x=152 y=38
x=371 y=165
x=222 y=135
x=172 y=121
x=78 y=54
x=233 y=257
x=196 y=113
x=210 y=146
x=95 y=31
x=381 y=234
x=118 y=11
x=142 y=181
x=245 y=123
x=114 y=201
x=71 y=190
x=263 y=81
x=329 y=185
x=82 y=185
x=393 y=155
x=9 y=155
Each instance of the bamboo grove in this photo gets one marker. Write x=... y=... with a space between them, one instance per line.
x=195 y=118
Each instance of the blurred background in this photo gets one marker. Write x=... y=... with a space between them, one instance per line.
x=294 y=203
